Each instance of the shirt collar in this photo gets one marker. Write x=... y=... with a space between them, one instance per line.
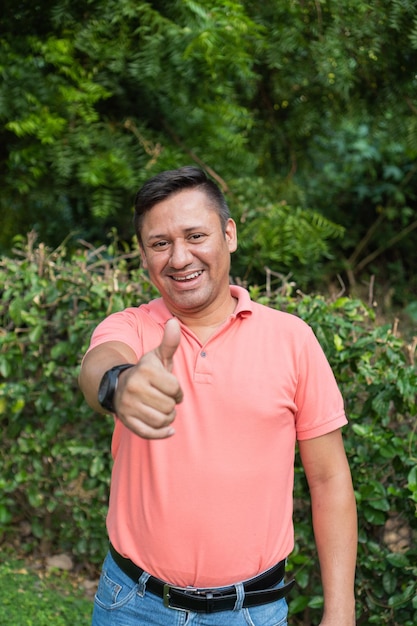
x=159 y=312
x=244 y=305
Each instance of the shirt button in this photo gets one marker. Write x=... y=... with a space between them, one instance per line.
x=203 y=354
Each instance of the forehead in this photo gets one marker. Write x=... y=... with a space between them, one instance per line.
x=186 y=208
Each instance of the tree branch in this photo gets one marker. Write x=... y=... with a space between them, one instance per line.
x=389 y=244
x=222 y=183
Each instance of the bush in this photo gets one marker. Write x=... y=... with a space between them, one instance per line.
x=378 y=379
x=55 y=468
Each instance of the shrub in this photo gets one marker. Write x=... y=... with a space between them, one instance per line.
x=55 y=468
x=378 y=379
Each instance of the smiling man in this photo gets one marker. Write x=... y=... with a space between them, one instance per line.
x=210 y=393
x=186 y=250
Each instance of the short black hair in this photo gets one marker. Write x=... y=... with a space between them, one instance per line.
x=169 y=182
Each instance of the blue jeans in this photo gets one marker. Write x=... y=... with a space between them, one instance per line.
x=121 y=602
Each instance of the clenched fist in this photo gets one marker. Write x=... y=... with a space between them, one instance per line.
x=148 y=393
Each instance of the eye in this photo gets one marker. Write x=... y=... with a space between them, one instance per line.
x=196 y=237
x=160 y=245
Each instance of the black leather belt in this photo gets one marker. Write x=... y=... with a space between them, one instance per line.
x=257 y=590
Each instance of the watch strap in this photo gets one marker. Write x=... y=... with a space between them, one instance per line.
x=108 y=385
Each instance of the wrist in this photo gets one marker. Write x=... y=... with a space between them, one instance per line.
x=108 y=386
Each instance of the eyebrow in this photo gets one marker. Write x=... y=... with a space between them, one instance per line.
x=190 y=229
x=156 y=237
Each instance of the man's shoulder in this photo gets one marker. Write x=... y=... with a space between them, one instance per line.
x=278 y=315
x=154 y=309
x=148 y=315
x=268 y=317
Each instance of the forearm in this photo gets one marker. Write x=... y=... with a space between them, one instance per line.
x=96 y=363
x=146 y=395
x=335 y=529
x=334 y=522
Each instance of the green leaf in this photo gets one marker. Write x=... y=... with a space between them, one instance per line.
x=298 y=604
x=5 y=515
x=5 y=366
x=398 y=560
x=15 y=310
x=389 y=582
x=316 y=602
x=338 y=342
x=373 y=516
x=36 y=333
x=412 y=478
x=380 y=505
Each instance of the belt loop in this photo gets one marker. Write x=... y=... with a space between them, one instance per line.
x=142 y=583
x=240 y=593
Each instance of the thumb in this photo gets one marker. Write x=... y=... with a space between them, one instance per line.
x=169 y=344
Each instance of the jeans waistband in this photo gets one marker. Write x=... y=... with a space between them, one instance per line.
x=257 y=590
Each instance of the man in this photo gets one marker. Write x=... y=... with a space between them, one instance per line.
x=210 y=392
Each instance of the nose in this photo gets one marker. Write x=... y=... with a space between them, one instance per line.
x=181 y=255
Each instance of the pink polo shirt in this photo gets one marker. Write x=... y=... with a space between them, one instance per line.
x=212 y=505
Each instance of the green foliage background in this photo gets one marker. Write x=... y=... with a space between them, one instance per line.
x=305 y=113
x=55 y=466
x=295 y=107
x=31 y=597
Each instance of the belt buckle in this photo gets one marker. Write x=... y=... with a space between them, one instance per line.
x=166 y=595
x=203 y=593
x=166 y=598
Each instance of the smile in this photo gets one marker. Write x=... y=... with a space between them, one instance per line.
x=188 y=277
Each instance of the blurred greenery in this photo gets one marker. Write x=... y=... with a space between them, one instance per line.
x=305 y=114
x=297 y=109
x=33 y=596
x=55 y=468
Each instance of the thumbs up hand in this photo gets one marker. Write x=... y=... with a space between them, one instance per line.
x=169 y=344
x=147 y=394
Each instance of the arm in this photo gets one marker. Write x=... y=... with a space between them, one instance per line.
x=96 y=363
x=147 y=393
x=334 y=523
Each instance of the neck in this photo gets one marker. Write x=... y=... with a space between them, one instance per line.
x=205 y=322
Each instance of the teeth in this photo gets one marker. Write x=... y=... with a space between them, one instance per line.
x=189 y=277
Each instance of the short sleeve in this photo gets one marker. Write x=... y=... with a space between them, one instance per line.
x=124 y=326
x=320 y=406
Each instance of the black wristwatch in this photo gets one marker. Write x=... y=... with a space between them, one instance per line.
x=108 y=386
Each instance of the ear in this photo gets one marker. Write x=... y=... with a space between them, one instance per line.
x=230 y=234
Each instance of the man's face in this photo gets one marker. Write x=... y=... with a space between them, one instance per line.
x=187 y=254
